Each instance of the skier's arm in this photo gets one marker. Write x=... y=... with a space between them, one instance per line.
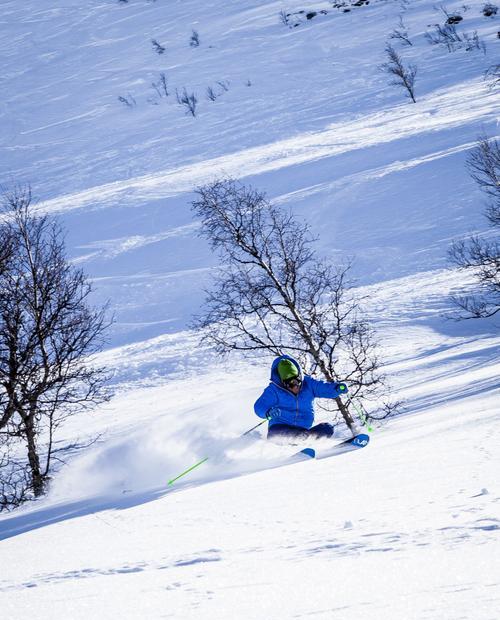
x=266 y=401
x=323 y=389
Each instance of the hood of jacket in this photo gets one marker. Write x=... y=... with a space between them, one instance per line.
x=275 y=378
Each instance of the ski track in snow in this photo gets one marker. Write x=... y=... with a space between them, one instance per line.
x=356 y=523
x=444 y=110
x=110 y=248
x=342 y=149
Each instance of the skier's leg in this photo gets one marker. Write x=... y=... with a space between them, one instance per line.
x=321 y=430
x=287 y=432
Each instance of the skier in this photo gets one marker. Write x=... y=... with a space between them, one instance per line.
x=287 y=402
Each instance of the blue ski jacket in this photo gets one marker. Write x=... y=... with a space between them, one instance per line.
x=294 y=410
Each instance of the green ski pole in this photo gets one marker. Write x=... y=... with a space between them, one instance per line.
x=188 y=470
x=170 y=482
x=363 y=417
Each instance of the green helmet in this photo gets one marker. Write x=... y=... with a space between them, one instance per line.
x=287 y=370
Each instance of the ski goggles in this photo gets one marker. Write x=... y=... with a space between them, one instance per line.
x=293 y=382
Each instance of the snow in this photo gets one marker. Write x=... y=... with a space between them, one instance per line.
x=407 y=528
x=401 y=529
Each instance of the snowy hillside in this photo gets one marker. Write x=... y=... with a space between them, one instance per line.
x=406 y=528
x=318 y=128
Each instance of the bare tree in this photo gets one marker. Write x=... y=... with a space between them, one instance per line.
x=475 y=254
x=48 y=330
x=15 y=482
x=273 y=294
x=484 y=166
x=403 y=76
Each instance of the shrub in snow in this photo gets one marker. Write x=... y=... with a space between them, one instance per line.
x=224 y=84
x=284 y=18
x=129 y=101
x=473 y=42
x=401 y=33
x=403 y=76
x=189 y=101
x=448 y=36
x=451 y=18
x=445 y=35
x=493 y=76
x=489 y=10
x=345 y=6
x=158 y=48
x=161 y=87
x=211 y=94
x=194 y=41
x=298 y=17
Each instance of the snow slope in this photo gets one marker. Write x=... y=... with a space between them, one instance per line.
x=407 y=528
x=318 y=129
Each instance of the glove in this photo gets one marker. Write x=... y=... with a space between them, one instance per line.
x=342 y=388
x=274 y=412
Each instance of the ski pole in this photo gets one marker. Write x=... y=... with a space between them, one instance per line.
x=186 y=471
x=363 y=417
x=253 y=428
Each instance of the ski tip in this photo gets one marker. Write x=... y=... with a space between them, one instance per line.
x=360 y=440
x=309 y=452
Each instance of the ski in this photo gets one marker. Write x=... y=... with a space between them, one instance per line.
x=354 y=443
